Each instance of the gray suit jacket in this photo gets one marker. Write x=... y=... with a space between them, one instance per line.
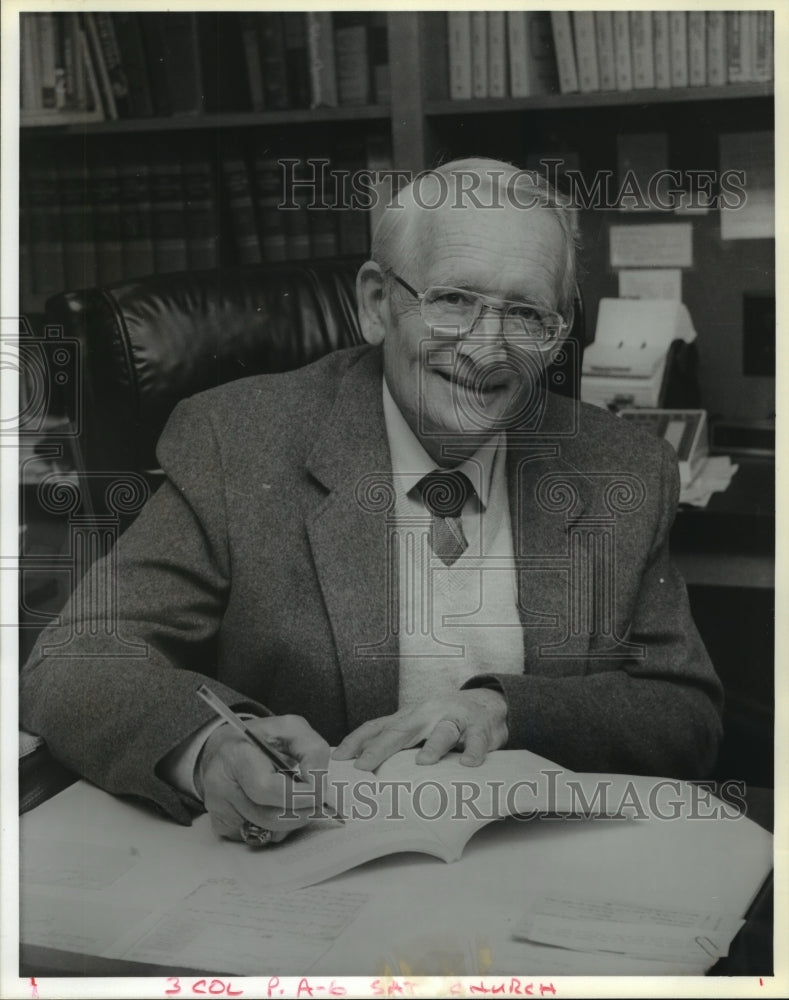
x=261 y=562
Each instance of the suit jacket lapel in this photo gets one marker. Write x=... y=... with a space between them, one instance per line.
x=541 y=512
x=348 y=536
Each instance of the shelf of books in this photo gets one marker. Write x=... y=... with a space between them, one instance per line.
x=540 y=59
x=134 y=71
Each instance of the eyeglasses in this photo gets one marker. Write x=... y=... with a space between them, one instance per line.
x=456 y=311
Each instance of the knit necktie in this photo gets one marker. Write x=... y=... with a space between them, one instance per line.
x=444 y=494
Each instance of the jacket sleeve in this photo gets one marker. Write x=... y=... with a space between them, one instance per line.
x=111 y=687
x=660 y=714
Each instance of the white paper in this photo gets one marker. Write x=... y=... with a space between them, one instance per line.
x=651 y=283
x=658 y=244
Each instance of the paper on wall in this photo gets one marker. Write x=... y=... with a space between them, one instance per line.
x=651 y=283
x=658 y=244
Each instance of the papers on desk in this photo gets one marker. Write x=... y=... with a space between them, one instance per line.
x=714 y=476
x=598 y=925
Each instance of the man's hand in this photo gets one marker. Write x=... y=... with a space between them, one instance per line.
x=475 y=720
x=238 y=782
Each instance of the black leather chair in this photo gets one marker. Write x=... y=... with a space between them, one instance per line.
x=150 y=342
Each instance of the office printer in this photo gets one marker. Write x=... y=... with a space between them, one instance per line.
x=643 y=355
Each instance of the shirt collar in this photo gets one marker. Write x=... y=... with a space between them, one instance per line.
x=410 y=461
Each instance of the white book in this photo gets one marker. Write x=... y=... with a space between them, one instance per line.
x=565 y=51
x=716 y=48
x=320 y=52
x=662 y=49
x=697 y=48
x=643 y=50
x=622 y=50
x=497 y=53
x=586 y=51
x=678 y=40
x=532 y=54
x=459 y=33
x=606 y=59
x=479 y=54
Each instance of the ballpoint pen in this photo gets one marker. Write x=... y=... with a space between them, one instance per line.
x=281 y=764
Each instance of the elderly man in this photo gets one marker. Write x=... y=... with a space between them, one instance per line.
x=410 y=542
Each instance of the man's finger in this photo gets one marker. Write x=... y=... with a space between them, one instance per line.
x=445 y=737
x=476 y=746
x=396 y=736
x=295 y=737
x=354 y=742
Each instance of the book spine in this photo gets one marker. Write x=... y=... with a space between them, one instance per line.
x=46 y=232
x=586 y=51
x=352 y=60
x=697 y=48
x=459 y=35
x=168 y=215
x=379 y=160
x=202 y=218
x=716 y=48
x=253 y=59
x=565 y=51
x=297 y=60
x=497 y=54
x=272 y=49
x=351 y=221
x=61 y=82
x=643 y=50
x=763 y=46
x=129 y=35
x=479 y=54
x=660 y=30
x=268 y=196
x=604 y=30
x=105 y=194
x=184 y=83
x=136 y=232
x=100 y=67
x=324 y=238
x=111 y=54
x=678 y=40
x=379 y=58
x=70 y=45
x=738 y=45
x=30 y=82
x=78 y=232
x=320 y=48
x=236 y=184
x=46 y=41
x=297 y=227
x=156 y=50
x=518 y=52
x=622 y=50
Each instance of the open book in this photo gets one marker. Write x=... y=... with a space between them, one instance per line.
x=407 y=807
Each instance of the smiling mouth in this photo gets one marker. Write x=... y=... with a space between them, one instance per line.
x=478 y=384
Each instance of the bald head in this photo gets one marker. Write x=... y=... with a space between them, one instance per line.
x=426 y=212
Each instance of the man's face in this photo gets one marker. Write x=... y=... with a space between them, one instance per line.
x=454 y=391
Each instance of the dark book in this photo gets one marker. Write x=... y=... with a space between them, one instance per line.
x=269 y=193
x=202 y=216
x=352 y=222
x=182 y=63
x=297 y=61
x=154 y=34
x=378 y=41
x=297 y=227
x=322 y=216
x=252 y=56
x=47 y=257
x=272 y=50
x=351 y=57
x=241 y=211
x=132 y=51
x=135 y=222
x=225 y=82
x=168 y=214
x=78 y=234
x=96 y=56
x=106 y=198
x=112 y=60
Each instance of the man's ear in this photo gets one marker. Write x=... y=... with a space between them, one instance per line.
x=372 y=302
